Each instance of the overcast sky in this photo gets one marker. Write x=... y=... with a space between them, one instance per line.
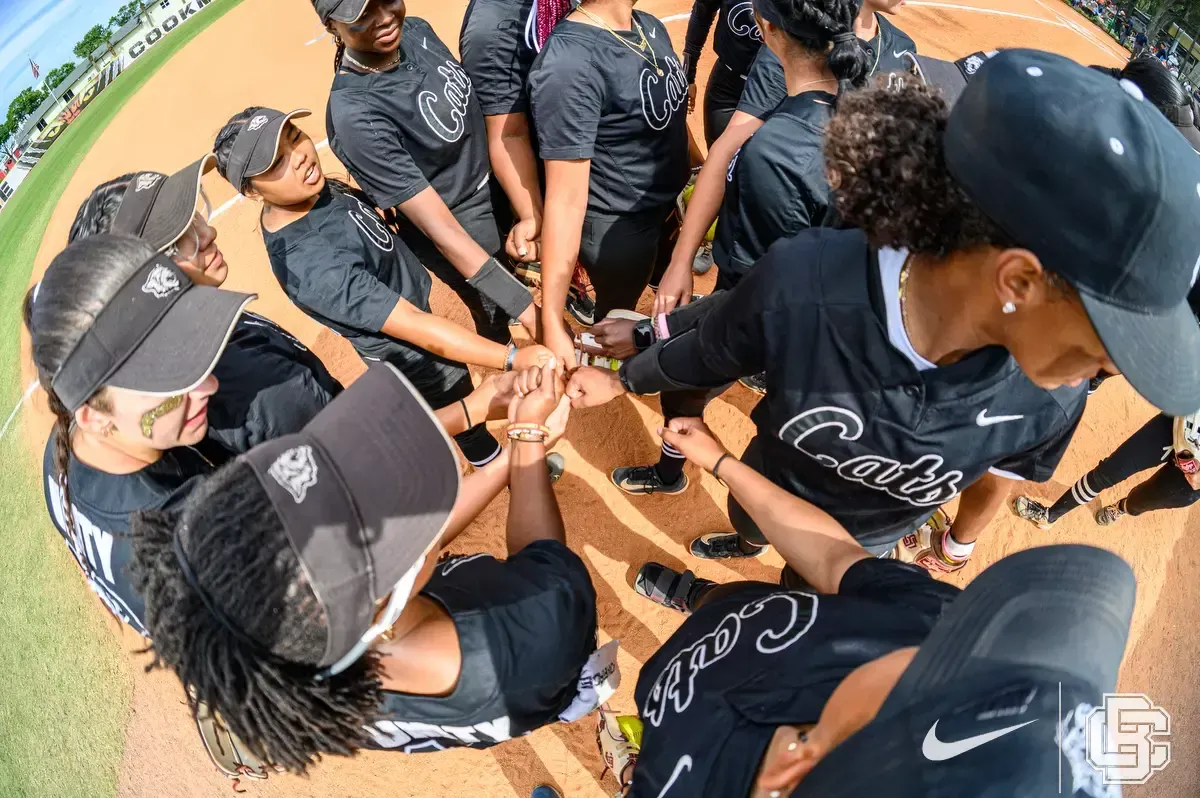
x=45 y=30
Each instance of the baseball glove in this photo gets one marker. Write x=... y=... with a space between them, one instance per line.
x=228 y=754
x=619 y=738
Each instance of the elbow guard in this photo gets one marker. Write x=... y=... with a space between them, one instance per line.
x=497 y=284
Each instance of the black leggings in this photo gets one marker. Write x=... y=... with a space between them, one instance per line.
x=487 y=218
x=1147 y=448
x=623 y=253
x=721 y=96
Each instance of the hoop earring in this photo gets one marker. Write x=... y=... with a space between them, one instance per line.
x=1008 y=307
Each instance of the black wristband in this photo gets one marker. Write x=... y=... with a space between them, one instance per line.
x=466 y=413
x=717 y=465
x=497 y=284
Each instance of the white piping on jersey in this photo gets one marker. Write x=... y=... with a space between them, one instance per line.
x=891 y=263
x=1000 y=472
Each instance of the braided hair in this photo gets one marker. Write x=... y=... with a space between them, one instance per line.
x=261 y=675
x=835 y=21
x=58 y=312
x=97 y=213
x=549 y=13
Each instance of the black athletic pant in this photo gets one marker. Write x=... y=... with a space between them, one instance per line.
x=623 y=253
x=721 y=96
x=1147 y=448
x=487 y=218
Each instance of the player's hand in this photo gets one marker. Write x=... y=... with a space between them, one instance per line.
x=614 y=338
x=561 y=343
x=523 y=242
x=532 y=357
x=591 y=387
x=695 y=440
x=1193 y=479
x=675 y=288
x=539 y=393
x=499 y=390
x=691 y=97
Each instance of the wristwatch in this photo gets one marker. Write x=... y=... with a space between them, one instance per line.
x=643 y=335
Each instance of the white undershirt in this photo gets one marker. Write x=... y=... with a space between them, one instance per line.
x=891 y=263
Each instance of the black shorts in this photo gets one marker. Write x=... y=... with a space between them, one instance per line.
x=495 y=55
x=623 y=253
x=721 y=96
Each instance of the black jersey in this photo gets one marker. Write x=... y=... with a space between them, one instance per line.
x=775 y=186
x=737 y=38
x=766 y=88
x=595 y=96
x=270 y=385
x=415 y=125
x=742 y=665
x=526 y=627
x=101 y=504
x=854 y=420
x=497 y=45
x=341 y=265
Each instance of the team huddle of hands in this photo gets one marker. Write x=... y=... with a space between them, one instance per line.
x=546 y=393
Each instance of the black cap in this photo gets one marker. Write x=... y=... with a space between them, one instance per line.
x=257 y=144
x=158 y=208
x=363 y=492
x=1015 y=665
x=340 y=10
x=1184 y=118
x=1084 y=173
x=160 y=335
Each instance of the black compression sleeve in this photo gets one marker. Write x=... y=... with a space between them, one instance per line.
x=674 y=365
x=699 y=24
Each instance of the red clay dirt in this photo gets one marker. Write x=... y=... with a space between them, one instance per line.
x=266 y=52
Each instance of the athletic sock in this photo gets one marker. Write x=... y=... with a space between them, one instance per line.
x=670 y=466
x=1080 y=493
x=697 y=591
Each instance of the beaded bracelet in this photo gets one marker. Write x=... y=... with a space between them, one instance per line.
x=528 y=433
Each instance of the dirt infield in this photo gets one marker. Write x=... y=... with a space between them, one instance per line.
x=273 y=52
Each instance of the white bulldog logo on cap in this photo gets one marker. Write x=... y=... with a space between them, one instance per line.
x=161 y=282
x=296 y=471
x=258 y=121
x=972 y=64
x=146 y=182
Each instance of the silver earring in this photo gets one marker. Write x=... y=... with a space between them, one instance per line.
x=776 y=793
x=793 y=746
x=1009 y=307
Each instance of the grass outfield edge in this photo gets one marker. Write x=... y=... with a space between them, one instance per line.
x=64 y=700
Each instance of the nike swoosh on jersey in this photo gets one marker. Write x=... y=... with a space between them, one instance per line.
x=984 y=420
x=898 y=54
x=937 y=751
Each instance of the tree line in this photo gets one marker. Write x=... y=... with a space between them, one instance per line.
x=28 y=101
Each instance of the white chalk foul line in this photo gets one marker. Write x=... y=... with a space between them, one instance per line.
x=237 y=198
x=28 y=393
x=978 y=10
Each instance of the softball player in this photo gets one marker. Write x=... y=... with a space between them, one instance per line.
x=272 y=384
x=607 y=94
x=403 y=118
x=766 y=86
x=882 y=404
x=736 y=42
x=873 y=682
x=125 y=345
x=334 y=257
x=342 y=645
x=1175 y=484
x=497 y=43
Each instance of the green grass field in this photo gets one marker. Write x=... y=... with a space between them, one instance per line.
x=64 y=690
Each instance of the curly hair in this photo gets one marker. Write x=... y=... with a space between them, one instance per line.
x=888 y=170
x=97 y=213
x=260 y=675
